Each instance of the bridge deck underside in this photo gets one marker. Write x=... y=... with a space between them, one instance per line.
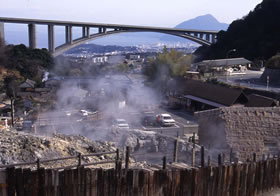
x=64 y=47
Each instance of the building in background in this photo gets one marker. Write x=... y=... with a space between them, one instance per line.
x=223 y=66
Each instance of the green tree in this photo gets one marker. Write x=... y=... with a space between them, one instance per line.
x=123 y=67
x=273 y=62
x=11 y=87
x=3 y=58
x=28 y=61
x=168 y=64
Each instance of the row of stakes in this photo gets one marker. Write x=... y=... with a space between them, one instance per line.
x=221 y=156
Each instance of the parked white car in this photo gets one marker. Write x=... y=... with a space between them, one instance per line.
x=165 y=120
x=120 y=124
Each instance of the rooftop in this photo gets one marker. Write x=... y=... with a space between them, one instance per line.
x=260 y=101
x=222 y=96
x=224 y=62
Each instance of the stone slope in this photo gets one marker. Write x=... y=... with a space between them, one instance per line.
x=18 y=147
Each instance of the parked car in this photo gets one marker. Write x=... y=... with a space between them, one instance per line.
x=120 y=124
x=27 y=125
x=174 y=106
x=149 y=118
x=86 y=112
x=165 y=120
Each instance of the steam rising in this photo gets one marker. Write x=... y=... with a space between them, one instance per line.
x=79 y=101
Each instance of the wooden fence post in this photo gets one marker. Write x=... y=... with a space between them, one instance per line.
x=175 y=155
x=38 y=163
x=118 y=162
x=118 y=154
x=254 y=157
x=137 y=147
x=193 y=138
x=193 y=155
x=219 y=159
x=127 y=157
x=230 y=156
x=79 y=159
x=209 y=161
x=164 y=162
x=202 y=156
x=3 y=183
x=11 y=180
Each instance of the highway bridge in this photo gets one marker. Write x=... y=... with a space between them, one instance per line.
x=199 y=36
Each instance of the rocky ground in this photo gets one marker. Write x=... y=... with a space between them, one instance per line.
x=18 y=147
x=147 y=147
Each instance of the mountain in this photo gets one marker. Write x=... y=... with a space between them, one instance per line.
x=255 y=36
x=205 y=22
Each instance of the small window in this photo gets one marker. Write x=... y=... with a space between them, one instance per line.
x=270 y=145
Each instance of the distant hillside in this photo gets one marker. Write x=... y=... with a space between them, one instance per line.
x=255 y=36
x=205 y=22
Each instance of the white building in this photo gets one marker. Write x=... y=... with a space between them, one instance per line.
x=100 y=59
x=134 y=57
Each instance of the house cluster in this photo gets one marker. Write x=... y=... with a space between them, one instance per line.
x=115 y=59
x=198 y=96
x=29 y=86
x=228 y=66
x=30 y=97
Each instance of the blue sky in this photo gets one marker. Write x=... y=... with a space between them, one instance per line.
x=165 y=13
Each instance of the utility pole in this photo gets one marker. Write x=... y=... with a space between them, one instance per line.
x=228 y=52
x=267 y=82
x=13 y=111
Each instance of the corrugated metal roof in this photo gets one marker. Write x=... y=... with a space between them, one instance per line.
x=224 y=62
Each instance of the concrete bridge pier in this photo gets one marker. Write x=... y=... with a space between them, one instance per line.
x=201 y=35
x=2 y=32
x=213 y=38
x=208 y=37
x=99 y=30
x=68 y=34
x=51 y=38
x=32 y=36
x=86 y=32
